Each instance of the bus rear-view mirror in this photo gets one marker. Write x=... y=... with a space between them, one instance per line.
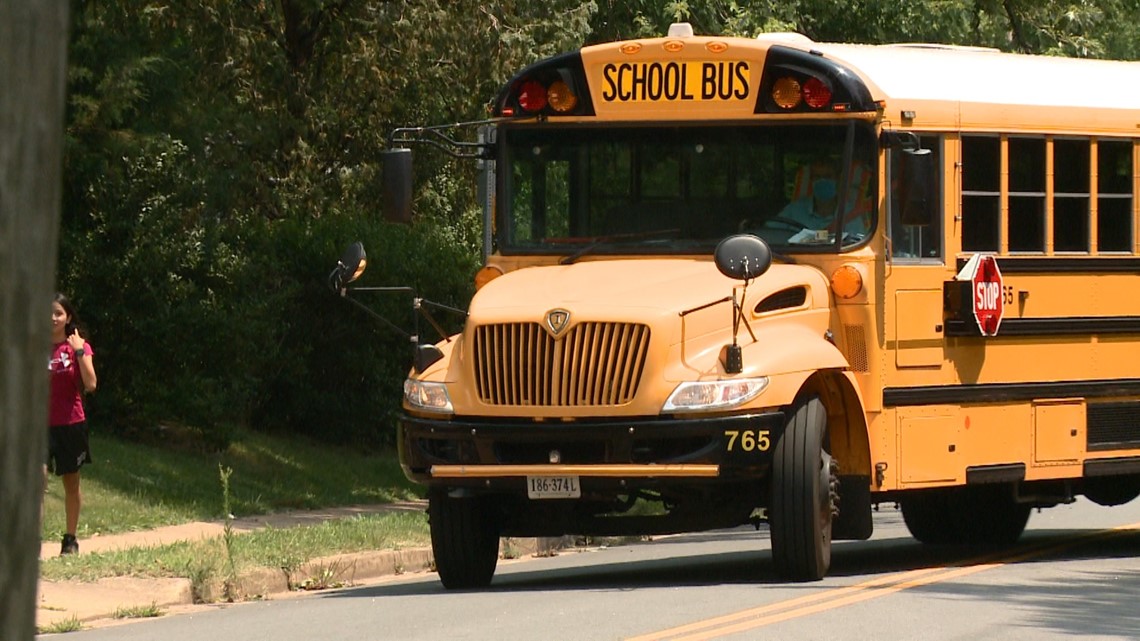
x=919 y=201
x=350 y=266
x=397 y=164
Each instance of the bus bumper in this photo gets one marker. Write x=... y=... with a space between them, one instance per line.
x=642 y=452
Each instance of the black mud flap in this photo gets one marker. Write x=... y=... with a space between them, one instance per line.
x=854 y=520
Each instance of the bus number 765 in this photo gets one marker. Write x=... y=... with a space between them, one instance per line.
x=750 y=440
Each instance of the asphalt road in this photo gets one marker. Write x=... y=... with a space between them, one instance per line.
x=1075 y=573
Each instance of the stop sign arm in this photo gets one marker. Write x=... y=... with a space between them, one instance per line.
x=973 y=302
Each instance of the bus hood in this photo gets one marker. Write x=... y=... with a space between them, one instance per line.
x=649 y=291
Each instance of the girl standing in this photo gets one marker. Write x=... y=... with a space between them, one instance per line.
x=72 y=369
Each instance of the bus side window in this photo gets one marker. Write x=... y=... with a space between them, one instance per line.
x=981 y=193
x=1114 y=196
x=909 y=240
x=1025 y=227
x=1071 y=194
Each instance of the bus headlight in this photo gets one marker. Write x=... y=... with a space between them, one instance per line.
x=714 y=395
x=427 y=396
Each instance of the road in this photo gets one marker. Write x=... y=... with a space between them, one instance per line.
x=1075 y=573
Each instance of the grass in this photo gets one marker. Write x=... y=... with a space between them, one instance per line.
x=138 y=612
x=280 y=548
x=59 y=627
x=131 y=486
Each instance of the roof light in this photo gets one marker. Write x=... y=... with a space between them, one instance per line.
x=561 y=97
x=532 y=96
x=786 y=92
x=816 y=93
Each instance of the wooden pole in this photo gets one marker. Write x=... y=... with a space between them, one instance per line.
x=33 y=71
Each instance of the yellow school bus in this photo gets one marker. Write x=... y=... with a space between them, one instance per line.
x=733 y=281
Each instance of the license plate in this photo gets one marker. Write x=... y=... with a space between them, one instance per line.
x=553 y=487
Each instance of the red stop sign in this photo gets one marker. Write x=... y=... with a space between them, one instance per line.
x=986 y=287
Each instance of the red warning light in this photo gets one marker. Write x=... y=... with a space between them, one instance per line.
x=816 y=93
x=532 y=96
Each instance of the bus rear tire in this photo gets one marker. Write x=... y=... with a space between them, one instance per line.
x=929 y=519
x=802 y=501
x=979 y=515
x=464 y=539
x=991 y=515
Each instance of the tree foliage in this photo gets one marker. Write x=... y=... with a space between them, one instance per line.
x=219 y=153
x=1085 y=28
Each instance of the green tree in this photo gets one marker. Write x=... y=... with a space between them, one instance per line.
x=219 y=154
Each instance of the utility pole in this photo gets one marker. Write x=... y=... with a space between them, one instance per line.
x=33 y=72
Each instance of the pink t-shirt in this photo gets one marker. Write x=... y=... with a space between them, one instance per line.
x=66 y=386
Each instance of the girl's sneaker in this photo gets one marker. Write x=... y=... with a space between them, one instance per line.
x=70 y=545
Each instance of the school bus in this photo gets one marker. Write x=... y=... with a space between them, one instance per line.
x=733 y=281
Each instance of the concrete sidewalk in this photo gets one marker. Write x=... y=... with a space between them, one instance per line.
x=61 y=601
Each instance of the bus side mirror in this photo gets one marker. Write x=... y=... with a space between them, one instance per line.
x=397 y=185
x=742 y=257
x=919 y=202
x=350 y=266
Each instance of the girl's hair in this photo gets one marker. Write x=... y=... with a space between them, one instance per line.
x=69 y=309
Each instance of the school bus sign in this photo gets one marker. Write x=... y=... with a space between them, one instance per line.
x=675 y=81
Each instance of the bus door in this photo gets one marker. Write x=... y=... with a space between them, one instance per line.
x=916 y=267
x=914 y=338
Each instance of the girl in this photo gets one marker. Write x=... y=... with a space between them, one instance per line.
x=72 y=371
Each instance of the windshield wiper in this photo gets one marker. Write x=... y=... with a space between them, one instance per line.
x=615 y=238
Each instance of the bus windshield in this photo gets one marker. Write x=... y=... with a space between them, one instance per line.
x=652 y=189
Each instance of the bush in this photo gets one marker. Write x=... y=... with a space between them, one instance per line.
x=213 y=319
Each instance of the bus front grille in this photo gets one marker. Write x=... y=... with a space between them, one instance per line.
x=591 y=364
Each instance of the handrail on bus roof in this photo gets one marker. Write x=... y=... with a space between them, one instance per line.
x=449 y=145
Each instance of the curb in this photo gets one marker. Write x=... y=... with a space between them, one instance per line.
x=326 y=572
x=344 y=570
x=63 y=601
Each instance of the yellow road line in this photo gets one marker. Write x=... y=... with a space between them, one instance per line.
x=879 y=587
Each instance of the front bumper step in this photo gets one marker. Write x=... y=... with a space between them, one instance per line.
x=652 y=470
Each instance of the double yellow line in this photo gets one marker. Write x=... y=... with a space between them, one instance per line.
x=753 y=618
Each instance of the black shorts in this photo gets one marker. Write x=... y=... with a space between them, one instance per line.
x=68 y=448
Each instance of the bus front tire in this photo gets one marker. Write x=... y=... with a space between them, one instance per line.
x=803 y=496
x=464 y=539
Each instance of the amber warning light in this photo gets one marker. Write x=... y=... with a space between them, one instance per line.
x=533 y=97
x=789 y=93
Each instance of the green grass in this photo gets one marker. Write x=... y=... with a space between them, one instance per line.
x=131 y=486
x=59 y=627
x=138 y=612
x=283 y=548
